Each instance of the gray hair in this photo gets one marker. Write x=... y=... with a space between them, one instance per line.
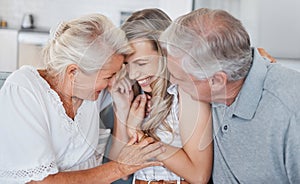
x=208 y=41
x=87 y=42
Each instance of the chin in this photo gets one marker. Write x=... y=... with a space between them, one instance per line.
x=92 y=97
x=96 y=96
x=147 y=90
x=196 y=97
x=202 y=99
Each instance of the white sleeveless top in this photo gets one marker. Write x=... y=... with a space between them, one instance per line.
x=161 y=172
x=37 y=138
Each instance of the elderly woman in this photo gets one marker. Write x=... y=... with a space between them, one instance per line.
x=50 y=118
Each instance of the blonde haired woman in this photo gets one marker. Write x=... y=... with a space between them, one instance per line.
x=182 y=124
x=50 y=117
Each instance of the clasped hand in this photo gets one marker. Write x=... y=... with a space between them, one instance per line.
x=137 y=155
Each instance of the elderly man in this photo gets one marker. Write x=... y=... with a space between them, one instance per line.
x=255 y=103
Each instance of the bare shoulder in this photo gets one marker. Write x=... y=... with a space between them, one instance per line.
x=194 y=120
x=186 y=103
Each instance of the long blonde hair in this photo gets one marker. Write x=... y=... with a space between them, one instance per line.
x=149 y=24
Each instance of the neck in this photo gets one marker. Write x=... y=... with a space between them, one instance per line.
x=70 y=103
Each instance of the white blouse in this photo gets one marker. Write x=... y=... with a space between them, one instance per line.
x=37 y=138
x=156 y=173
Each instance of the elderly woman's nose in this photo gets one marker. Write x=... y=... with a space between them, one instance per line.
x=111 y=82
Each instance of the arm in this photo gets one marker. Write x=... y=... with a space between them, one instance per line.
x=266 y=55
x=122 y=96
x=292 y=150
x=194 y=161
x=106 y=173
x=133 y=157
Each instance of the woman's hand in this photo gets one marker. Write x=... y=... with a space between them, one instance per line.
x=122 y=94
x=136 y=114
x=137 y=155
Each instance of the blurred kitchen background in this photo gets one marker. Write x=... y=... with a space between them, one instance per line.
x=25 y=24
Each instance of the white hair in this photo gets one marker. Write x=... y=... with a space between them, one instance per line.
x=87 y=42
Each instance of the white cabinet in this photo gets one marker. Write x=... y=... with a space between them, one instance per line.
x=30 y=48
x=8 y=49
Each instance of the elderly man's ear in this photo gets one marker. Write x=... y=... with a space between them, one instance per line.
x=218 y=81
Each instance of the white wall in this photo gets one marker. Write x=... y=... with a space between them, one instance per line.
x=232 y=6
x=279 y=27
x=273 y=25
x=49 y=13
x=176 y=8
x=249 y=15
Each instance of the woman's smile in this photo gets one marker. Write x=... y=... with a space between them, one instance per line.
x=145 y=82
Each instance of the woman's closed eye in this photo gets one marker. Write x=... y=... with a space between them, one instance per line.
x=142 y=64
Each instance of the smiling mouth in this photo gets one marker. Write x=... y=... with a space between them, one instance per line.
x=145 y=81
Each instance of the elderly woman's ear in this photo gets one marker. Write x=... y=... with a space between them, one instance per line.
x=72 y=71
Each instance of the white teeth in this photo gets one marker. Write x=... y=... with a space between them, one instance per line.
x=144 y=81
